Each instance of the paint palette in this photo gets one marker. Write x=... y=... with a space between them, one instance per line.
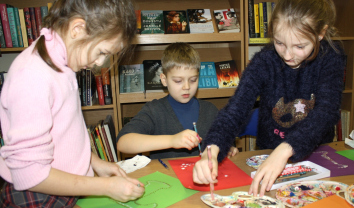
x=241 y=199
x=256 y=161
x=349 y=194
x=302 y=193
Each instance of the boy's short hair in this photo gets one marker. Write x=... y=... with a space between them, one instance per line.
x=180 y=55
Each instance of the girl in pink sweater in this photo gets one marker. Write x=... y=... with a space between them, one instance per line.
x=47 y=160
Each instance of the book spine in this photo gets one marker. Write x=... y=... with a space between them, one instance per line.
x=101 y=143
x=269 y=11
x=28 y=22
x=251 y=27
x=44 y=12
x=38 y=15
x=2 y=38
x=261 y=21
x=265 y=19
x=98 y=144
x=88 y=87
x=106 y=86
x=256 y=20
x=33 y=23
x=49 y=5
x=6 y=25
x=13 y=27
x=83 y=88
x=99 y=87
x=23 y=27
x=105 y=143
x=18 y=27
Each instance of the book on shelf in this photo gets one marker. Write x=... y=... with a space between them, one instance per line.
x=35 y=32
x=92 y=142
x=38 y=16
x=18 y=27
x=200 y=21
x=261 y=21
x=176 y=21
x=207 y=75
x=227 y=74
x=49 y=5
x=2 y=38
x=345 y=121
x=227 y=20
x=44 y=12
x=106 y=145
x=30 y=37
x=106 y=83
x=100 y=142
x=99 y=87
x=256 y=20
x=259 y=40
x=83 y=87
x=265 y=19
x=152 y=22
x=138 y=21
x=6 y=25
x=13 y=27
x=131 y=78
x=21 y=16
x=110 y=136
x=152 y=71
x=251 y=26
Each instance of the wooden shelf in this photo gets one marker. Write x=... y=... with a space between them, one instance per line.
x=97 y=107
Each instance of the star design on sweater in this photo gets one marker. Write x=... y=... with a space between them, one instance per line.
x=300 y=107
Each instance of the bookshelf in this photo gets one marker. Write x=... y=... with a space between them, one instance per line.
x=346 y=33
x=92 y=114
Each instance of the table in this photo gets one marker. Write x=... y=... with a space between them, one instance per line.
x=240 y=160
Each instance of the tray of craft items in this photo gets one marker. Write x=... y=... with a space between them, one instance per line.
x=299 y=194
x=301 y=171
x=349 y=194
x=241 y=199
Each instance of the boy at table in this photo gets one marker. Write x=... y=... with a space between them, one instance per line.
x=164 y=127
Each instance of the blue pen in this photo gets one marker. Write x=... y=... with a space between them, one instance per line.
x=195 y=129
x=164 y=164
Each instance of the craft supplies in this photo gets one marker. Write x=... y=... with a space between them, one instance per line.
x=302 y=193
x=195 y=129
x=162 y=163
x=256 y=161
x=211 y=169
x=133 y=164
x=241 y=199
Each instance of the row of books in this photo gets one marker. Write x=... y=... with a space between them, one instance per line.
x=103 y=140
x=145 y=77
x=95 y=89
x=259 y=14
x=20 y=27
x=186 y=21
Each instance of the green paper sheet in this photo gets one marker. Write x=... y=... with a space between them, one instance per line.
x=347 y=153
x=161 y=190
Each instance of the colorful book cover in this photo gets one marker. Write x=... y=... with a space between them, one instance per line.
x=106 y=82
x=256 y=20
x=138 y=21
x=38 y=16
x=2 y=37
x=18 y=27
x=227 y=74
x=35 y=32
x=5 y=25
x=176 y=22
x=207 y=75
x=251 y=27
x=152 y=71
x=131 y=78
x=227 y=21
x=261 y=21
x=28 y=22
x=21 y=15
x=200 y=21
x=152 y=22
x=13 y=27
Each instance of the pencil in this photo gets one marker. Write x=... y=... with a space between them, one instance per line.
x=211 y=169
x=195 y=129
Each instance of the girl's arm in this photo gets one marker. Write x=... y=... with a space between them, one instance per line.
x=66 y=184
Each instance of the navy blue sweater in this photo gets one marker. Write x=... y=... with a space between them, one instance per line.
x=297 y=106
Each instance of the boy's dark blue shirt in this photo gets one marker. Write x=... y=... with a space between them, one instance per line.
x=187 y=113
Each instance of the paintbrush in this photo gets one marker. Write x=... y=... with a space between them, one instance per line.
x=195 y=129
x=211 y=169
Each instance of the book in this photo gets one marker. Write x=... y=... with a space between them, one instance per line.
x=261 y=21
x=106 y=84
x=107 y=148
x=35 y=32
x=265 y=19
x=251 y=26
x=5 y=25
x=83 y=87
x=21 y=16
x=13 y=27
x=152 y=71
x=227 y=21
x=227 y=74
x=109 y=140
x=345 y=121
x=28 y=22
x=176 y=22
x=38 y=17
x=100 y=142
x=88 y=87
x=49 y=5
x=207 y=75
x=131 y=78
x=138 y=21
x=92 y=142
x=152 y=22
x=2 y=37
x=108 y=125
x=99 y=87
x=18 y=27
x=269 y=12
x=200 y=21
x=44 y=12
x=256 y=20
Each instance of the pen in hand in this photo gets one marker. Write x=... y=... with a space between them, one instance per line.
x=195 y=129
x=162 y=163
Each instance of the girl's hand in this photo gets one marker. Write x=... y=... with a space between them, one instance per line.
x=124 y=188
x=232 y=152
x=201 y=169
x=106 y=169
x=270 y=169
x=185 y=139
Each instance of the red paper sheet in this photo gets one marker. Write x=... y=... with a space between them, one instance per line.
x=229 y=175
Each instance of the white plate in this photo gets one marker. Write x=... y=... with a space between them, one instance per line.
x=349 y=195
x=256 y=161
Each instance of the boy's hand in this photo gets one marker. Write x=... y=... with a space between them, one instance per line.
x=232 y=152
x=185 y=139
x=124 y=188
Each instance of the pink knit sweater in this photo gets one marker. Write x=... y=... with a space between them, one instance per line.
x=41 y=118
